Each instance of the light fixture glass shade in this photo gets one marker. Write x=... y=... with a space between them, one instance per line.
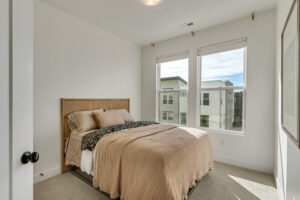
x=151 y=2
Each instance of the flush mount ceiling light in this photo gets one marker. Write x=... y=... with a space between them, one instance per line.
x=151 y=2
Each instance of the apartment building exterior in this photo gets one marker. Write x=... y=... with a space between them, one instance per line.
x=173 y=100
x=220 y=108
x=217 y=105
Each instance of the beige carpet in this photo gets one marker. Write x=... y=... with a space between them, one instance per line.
x=224 y=182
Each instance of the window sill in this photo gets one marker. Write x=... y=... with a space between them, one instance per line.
x=223 y=132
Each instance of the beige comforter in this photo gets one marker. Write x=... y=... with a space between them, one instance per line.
x=155 y=162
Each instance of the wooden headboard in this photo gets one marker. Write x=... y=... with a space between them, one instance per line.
x=72 y=105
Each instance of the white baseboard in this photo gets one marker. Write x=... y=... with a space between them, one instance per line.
x=279 y=189
x=46 y=175
x=243 y=163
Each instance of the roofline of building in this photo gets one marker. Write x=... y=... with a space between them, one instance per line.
x=174 y=78
x=218 y=81
x=184 y=81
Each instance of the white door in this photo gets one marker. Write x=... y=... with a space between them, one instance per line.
x=4 y=99
x=16 y=116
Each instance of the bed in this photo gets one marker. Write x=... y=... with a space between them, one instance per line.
x=142 y=160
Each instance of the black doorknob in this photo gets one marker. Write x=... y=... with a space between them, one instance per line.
x=32 y=157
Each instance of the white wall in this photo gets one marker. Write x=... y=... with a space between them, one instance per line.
x=255 y=150
x=74 y=59
x=287 y=154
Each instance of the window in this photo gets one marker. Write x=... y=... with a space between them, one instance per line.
x=171 y=116
x=165 y=99
x=183 y=94
x=167 y=116
x=172 y=88
x=222 y=86
x=170 y=99
x=204 y=121
x=164 y=116
x=206 y=99
x=183 y=118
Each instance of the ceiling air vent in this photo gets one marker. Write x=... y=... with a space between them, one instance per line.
x=187 y=25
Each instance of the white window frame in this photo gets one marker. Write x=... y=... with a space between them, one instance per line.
x=168 y=58
x=218 y=48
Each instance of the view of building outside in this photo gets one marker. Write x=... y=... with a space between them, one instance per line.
x=173 y=100
x=221 y=95
x=238 y=110
x=217 y=106
x=173 y=92
x=222 y=89
x=220 y=108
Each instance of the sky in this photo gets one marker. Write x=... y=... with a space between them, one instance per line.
x=175 y=68
x=222 y=66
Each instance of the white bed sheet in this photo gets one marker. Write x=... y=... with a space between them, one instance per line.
x=87 y=159
x=86 y=163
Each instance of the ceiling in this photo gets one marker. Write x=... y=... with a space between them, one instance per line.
x=142 y=25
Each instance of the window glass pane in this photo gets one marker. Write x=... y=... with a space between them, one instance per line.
x=204 y=121
x=225 y=109
x=182 y=118
x=237 y=124
x=164 y=115
x=221 y=99
x=205 y=99
x=173 y=91
x=170 y=99
x=223 y=69
x=174 y=75
x=165 y=99
x=170 y=116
